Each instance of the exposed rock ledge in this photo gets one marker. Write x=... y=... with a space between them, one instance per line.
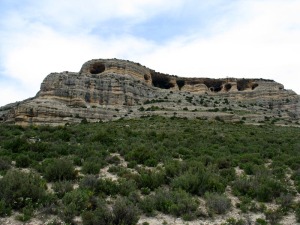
x=107 y=89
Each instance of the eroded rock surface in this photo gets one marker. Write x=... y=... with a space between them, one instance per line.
x=107 y=89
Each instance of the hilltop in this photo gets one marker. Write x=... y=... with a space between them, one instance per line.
x=110 y=89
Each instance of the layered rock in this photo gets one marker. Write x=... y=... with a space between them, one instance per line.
x=112 y=89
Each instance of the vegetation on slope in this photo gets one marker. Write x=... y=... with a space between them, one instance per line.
x=184 y=168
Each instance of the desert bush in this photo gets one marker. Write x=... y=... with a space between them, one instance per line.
x=273 y=216
x=89 y=182
x=16 y=145
x=150 y=179
x=26 y=215
x=233 y=221
x=62 y=187
x=297 y=212
x=198 y=183
x=5 y=210
x=4 y=164
x=102 y=215
x=260 y=221
x=177 y=203
x=107 y=187
x=23 y=160
x=263 y=188
x=122 y=212
x=296 y=175
x=174 y=168
x=19 y=189
x=126 y=186
x=103 y=137
x=217 y=203
x=125 y=212
x=142 y=155
x=147 y=205
x=228 y=174
x=92 y=165
x=285 y=200
x=59 y=170
x=74 y=202
x=113 y=159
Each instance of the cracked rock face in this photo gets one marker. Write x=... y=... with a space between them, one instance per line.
x=107 y=89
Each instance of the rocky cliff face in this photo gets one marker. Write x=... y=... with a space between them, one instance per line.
x=107 y=89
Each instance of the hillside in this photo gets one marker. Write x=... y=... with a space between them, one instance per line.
x=110 y=89
x=152 y=170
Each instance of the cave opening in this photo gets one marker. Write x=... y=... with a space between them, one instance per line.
x=97 y=68
x=180 y=83
x=213 y=85
x=227 y=87
x=161 y=80
x=254 y=86
x=147 y=77
x=243 y=84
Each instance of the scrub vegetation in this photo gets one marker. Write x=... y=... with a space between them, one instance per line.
x=119 y=171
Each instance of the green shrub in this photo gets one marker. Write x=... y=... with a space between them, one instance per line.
x=23 y=160
x=19 y=189
x=177 y=203
x=89 y=182
x=5 y=210
x=260 y=221
x=298 y=212
x=233 y=221
x=113 y=159
x=263 y=188
x=102 y=215
x=16 y=145
x=217 y=203
x=73 y=203
x=126 y=186
x=125 y=212
x=228 y=174
x=147 y=205
x=122 y=212
x=198 y=183
x=59 y=170
x=4 y=164
x=285 y=201
x=103 y=137
x=150 y=179
x=91 y=166
x=273 y=216
x=107 y=187
x=62 y=187
x=27 y=213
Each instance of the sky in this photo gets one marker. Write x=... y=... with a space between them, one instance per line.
x=189 y=38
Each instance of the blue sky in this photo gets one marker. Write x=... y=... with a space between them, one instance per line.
x=192 y=38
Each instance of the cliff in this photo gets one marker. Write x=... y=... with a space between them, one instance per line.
x=108 y=89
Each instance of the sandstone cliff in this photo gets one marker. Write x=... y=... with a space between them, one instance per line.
x=107 y=89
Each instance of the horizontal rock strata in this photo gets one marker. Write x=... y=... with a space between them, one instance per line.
x=108 y=89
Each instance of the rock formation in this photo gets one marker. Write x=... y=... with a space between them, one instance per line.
x=107 y=89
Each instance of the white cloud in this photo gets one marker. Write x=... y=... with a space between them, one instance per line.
x=72 y=15
x=50 y=52
x=257 y=39
x=262 y=44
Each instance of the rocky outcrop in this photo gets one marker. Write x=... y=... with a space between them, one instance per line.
x=107 y=89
